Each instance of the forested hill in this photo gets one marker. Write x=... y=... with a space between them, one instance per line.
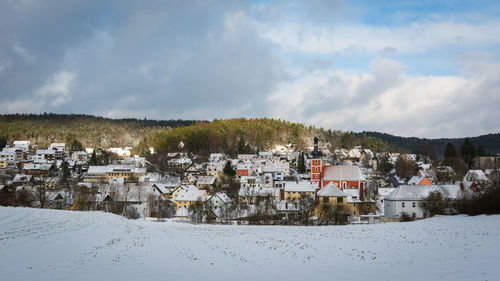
x=490 y=142
x=92 y=131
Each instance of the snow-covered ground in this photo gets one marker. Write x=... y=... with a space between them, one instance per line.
x=60 y=245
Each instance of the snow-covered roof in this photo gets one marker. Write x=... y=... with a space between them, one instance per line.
x=222 y=196
x=475 y=176
x=258 y=191
x=344 y=172
x=301 y=186
x=205 y=180
x=352 y=195
x=191 y=195
x=115 y=168
x=415 y=193
x=331 y=190
x=384 y=191
x=162 y=188
x=416 y=180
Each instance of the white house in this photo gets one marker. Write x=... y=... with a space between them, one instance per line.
x=406 y=199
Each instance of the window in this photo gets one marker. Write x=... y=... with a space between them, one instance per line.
x=413 y=204
x=402 y=204
x=343 y=185
x=340 y=199
x=325 y=199
x=414 y=215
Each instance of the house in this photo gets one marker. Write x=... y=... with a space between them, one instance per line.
x=79 y=156
x=215 y=168
x=419 y=180
x=445 y=173
x=358 y=206
x=3 y=163
x=253 y=195
x=476 y=176
x=382 y=192
x=45 y=154
x=180 y=189
x=206 y=182
x=406 y=199
x=24 y=145
x=345 y=176
x=39 y=169
x=332 y=195
x=106 y=173
x=162 y=190
x=265 y=154
x=186 y=198
x=243 y=169
x=219 y=203
x=13 y=154
x=294 y=191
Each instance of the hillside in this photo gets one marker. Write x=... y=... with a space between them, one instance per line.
x=92 y=131
x=232 y=135
x=42 y=244
x=252 y=135
x=490 y=142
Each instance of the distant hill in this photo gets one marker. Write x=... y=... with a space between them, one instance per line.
x=490 y=142
x=256 y=134
x=92 y=131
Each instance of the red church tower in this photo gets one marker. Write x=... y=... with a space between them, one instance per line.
x=316 y=164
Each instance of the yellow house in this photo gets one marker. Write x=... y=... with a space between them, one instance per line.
x=3 y=163
x=185 y=198
x=295 y=190
x=106 y=173
x=332 y=202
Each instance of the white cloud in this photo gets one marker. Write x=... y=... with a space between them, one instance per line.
x=57 y=91
x=388 y=100
x=415 y=38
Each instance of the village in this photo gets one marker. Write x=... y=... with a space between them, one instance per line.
x=282 y=186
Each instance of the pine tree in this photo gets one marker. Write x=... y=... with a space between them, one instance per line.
x=482 y=152
x=228 y=170
x=93 y=159
x=450 y=151
x=301 y=166
x=468 y=152
x=65 y=172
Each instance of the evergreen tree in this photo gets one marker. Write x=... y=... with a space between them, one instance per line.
x=3 y=141
x=93 y=159
x=468 y=152
x=482 y=152
x=228 y=170
x=65 y=171
x=301 y=166
x=450 y=151
x=242 y=148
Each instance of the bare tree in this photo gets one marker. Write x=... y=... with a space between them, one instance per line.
x=406 y=168
x=433 y=204
x=196 y=212
x=325 y=212
x=306 y=206
x=40 y=193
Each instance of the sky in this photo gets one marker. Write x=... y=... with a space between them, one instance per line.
x=410 y=68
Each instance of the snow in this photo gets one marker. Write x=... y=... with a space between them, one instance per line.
x=41 y=244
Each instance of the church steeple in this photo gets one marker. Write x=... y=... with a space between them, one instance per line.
x=316 y=164
x=316 y=153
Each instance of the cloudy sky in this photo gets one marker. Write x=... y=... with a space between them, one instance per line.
x=411 y=68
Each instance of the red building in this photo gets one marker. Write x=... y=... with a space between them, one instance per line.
x=345 y=177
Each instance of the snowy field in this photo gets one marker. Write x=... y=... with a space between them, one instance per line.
x=59 y=245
